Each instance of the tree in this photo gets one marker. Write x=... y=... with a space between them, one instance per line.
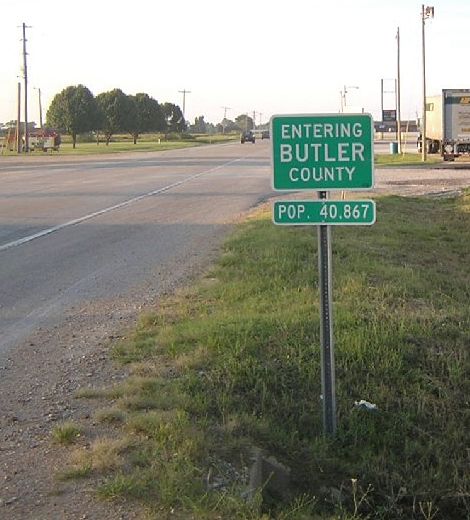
x=200 y=126
x=227 y=126
x=174 y=118
x=119 y=113
x=244 y=122
x=149 y=114
x=211 y=128
x=12 y=125
x=73 y=111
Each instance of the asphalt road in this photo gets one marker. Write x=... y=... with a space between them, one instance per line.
x=74 y=230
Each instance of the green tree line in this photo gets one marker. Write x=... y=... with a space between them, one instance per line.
x=75 y=111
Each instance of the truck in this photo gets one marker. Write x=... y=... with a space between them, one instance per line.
x=43 y=139
x=448 y=123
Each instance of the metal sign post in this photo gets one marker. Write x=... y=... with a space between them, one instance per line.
x=326 y=327
x=323 y=152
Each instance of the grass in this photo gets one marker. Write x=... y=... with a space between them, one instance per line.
x=121 y=147
x=124 y=144
x=406 y=159
x=110 y=416
x=66 y=433
x=234 y=362
x=102 y=456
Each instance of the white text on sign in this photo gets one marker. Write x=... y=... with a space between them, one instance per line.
x=322 y=151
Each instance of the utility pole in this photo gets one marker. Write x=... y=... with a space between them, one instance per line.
x=18 y=122
x=398 y=92
x=426 y=12
x=40 y=106
x=25 y=75
x=254 y=119
x=225 y=118
x=184 y=92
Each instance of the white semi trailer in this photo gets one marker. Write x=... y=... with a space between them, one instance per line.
x=448 y=123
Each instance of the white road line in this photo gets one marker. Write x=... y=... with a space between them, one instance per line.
x=79 y=220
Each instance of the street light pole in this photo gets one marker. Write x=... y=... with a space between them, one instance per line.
x=426 y=12
x=345 y=91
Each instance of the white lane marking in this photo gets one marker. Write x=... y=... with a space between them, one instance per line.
x=79 y=220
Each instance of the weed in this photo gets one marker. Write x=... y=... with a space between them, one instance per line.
x=75 y=472
x=66 y=433
x=110 y=416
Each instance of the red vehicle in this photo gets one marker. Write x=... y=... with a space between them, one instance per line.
x=39 y=139
x=44 y=139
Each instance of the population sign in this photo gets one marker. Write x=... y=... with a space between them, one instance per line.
x=324 y=212
x=322 y=152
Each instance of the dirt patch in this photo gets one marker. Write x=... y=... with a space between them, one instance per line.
x=39 y=381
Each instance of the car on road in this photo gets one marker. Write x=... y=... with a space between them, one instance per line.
x=265 y=134
x=247 y=136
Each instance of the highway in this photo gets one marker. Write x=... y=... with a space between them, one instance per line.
x=86 y=229
x=79 y=230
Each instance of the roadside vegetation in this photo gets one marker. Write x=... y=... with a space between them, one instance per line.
x=147 y=143
x=232 y=366
x=153 y=142
x=66 y=433
x=406 y=159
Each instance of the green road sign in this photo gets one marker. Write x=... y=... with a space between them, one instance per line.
x=322 y=152
x=326 y=212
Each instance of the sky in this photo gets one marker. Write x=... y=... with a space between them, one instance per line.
x=263 y=56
